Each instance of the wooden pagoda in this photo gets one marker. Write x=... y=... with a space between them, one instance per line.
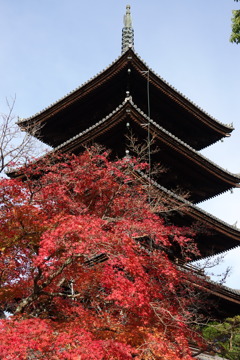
x=128 y=95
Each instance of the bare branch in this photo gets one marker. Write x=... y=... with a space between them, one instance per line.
x=16 y=147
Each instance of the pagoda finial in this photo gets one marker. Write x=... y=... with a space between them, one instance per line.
x=127 y=31
x=127 y=18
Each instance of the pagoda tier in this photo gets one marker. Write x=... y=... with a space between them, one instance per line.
x=184 y=167
x=225 y=301
x=222 y=301
x=98 y=97
x=213 y=236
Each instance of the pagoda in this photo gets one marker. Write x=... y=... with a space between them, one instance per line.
x=129 y=97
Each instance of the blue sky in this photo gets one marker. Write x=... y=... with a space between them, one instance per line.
x=50 y=47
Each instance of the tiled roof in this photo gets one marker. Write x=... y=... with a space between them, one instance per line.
x=195 y=153
x=229 y=126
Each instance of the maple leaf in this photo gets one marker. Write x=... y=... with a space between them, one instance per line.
x=85 y=268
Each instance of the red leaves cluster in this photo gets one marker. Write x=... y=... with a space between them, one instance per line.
x=83 y=266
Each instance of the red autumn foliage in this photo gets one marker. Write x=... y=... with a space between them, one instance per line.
x=84 y=268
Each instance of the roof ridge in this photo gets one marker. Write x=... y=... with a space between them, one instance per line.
x=91 y=127
x=223 y=288
x=72 y=91
x=230 y=126
x=226 y=288
x=129 y=99
x=187 y=202
x=181 y=142
x=190 y=204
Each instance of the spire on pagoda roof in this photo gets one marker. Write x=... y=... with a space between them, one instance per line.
x=127 y=31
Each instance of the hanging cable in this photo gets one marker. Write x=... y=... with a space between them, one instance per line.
x=148 y=132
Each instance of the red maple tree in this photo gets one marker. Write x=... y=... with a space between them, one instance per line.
x=84 y=266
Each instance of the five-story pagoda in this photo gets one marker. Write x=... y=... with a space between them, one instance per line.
x=128 y=97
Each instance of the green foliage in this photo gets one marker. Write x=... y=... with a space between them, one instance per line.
x=235 y=36
x=225 y=337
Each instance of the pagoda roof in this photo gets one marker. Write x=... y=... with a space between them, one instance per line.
x=226 y=300
x=186 y=168
x=101 y=94
x=217 y=237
